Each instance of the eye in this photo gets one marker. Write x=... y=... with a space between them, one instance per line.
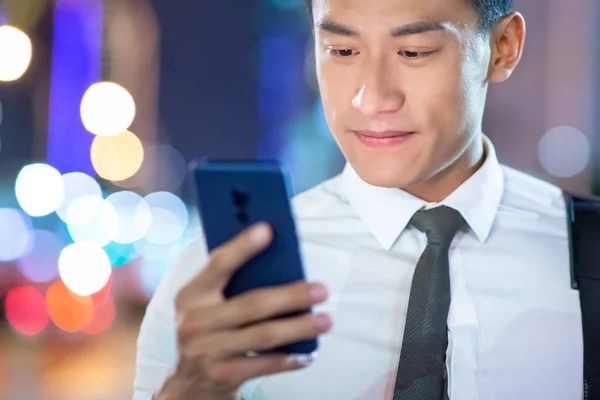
x=413 y=55
x=344 y=53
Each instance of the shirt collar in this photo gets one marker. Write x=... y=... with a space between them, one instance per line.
x=387 y=211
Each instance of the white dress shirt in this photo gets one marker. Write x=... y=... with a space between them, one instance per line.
x=514 y=322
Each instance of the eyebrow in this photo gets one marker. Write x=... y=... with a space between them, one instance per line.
x=413 y=28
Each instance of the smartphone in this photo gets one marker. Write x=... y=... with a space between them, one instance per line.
x=231 y=197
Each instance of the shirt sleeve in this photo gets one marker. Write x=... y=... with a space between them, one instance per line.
x=157 y=341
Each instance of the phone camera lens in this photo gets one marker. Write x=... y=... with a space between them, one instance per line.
x=240 y=199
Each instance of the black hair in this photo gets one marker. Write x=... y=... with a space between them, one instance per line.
x=490 y=11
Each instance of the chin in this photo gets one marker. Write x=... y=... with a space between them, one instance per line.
x=385 y=175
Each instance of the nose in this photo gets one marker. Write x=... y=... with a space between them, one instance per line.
x=378 y=92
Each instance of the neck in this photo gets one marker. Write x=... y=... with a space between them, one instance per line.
x=441 y=185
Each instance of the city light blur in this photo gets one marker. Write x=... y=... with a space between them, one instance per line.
x=104 y=103
x=15 y=53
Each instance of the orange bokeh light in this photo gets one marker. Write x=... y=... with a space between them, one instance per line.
x=68 y=310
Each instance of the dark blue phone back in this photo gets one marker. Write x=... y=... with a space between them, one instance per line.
x=235 y=195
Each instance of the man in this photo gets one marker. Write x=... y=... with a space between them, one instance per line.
x=423 y=213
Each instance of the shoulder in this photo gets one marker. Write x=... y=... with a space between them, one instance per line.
x=529 y=197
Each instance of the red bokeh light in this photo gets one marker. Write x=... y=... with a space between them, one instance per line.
x=104 y=314
x=104 y=294
x=26 y=310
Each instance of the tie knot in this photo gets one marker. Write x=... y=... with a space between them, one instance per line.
x=440 y=224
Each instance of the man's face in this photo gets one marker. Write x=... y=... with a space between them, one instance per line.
x=403 y=84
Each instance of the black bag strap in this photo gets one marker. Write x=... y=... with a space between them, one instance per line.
x=584 y=239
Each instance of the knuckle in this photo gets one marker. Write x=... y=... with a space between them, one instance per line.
x=184 y=329
x=270 y=336
x=197 y=351
x=302 y=292
x=309 y=325
x=218 y=256
x=255 y=303
x=221 y=375
x=304 y=327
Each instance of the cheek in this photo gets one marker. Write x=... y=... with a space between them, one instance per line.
x=336 y=92
x=437 y=97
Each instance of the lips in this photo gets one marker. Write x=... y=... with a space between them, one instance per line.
x=384 y=138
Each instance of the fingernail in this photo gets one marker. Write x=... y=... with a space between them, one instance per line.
x=259 y=234
x=323 y=322
x=303 y=359
x=318 y=292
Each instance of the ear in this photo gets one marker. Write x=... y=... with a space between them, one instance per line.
x=506 y=40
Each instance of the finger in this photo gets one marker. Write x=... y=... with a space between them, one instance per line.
x=266 y=335
x=256 y=305
x=225 y=260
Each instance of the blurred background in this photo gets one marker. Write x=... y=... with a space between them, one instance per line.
x=104 y=102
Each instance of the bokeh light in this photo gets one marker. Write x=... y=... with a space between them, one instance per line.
x=120 y=254
x=40 y=189
x=564 y=151
x=104 y=310
x=15 y=53
x=77 y=185
x=84 y=268
x=102 y=318
x=41 y=263
x=105 y=293
x=169 y=218
x=67 y=310
x=156 y=252
x=107 y=109
x=117 y=158
x=26 y=310
x=134 y=216
x=15 y=239
x=94 y=220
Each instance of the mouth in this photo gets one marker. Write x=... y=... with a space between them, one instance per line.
x=383 y=139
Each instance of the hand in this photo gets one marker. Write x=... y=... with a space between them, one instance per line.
x=215 y=335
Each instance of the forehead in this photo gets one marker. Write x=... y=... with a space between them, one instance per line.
x=394 y=12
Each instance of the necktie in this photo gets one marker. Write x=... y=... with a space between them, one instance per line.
x=422 y=366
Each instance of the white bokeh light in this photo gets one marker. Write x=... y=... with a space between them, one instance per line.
x=15 y=53
x=156 y=252
x=564 y=151
x=84 y=268
x=77 y=185
x=15 y=235
x=92 y=220
x=134 y=216
x=169 y=218
x=107 y=109
x=40 y=189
